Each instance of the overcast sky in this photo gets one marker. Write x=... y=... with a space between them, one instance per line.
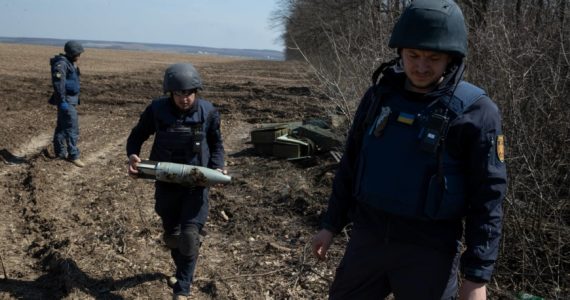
x=241 y=24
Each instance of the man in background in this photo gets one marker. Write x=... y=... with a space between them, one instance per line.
x=66 y=85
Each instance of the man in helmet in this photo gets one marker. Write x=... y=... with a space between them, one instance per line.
x=187 y=131
x=423 y=169
x=65 y=81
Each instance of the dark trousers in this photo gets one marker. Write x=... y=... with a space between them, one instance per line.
x=185 y=264
x=372 y=268
x=66 y=133
x=183 y=212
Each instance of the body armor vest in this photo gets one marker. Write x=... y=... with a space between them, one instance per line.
x=72 y=83
x=182 y=138
x=396 y=174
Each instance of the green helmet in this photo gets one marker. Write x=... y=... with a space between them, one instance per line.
x=73 y=48
x=181 y=77
x=436 y=25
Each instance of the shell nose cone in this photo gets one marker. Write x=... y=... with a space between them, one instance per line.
x=214 y=177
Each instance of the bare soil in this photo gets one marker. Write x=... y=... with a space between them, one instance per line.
x=92 y=233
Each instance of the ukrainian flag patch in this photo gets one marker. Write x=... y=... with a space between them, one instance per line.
x=406 y=118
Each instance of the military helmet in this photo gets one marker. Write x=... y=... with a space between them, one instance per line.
x=73 y=48
x=181 y=77
x=436 y=25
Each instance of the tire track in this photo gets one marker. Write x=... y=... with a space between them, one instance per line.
x=29 y=211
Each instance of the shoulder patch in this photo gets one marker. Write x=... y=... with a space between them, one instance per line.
x=57 y=75
x=501 y=148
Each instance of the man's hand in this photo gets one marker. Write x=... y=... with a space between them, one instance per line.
x=470 y=290
x=321 y=243
x=63 y=106
x=133 y=162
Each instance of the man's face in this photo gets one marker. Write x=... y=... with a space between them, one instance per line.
x=75 y=59
x=424 y=68
x=184 y=99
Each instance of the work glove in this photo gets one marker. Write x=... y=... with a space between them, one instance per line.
x=64 y=106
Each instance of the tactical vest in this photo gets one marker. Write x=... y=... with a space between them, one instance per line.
x=72 y=83
x=394 y=171
x=181 y=139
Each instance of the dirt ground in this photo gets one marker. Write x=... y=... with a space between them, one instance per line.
x=91 y=233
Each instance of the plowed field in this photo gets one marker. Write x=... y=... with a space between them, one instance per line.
x=91 y=233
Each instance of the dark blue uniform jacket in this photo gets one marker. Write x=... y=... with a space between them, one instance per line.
x=65 y=81
x=387 y=184
x=192 y=137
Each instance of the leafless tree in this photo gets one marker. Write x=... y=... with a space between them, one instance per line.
x=343 y=41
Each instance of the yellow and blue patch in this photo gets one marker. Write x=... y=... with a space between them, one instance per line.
x=406 y=118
